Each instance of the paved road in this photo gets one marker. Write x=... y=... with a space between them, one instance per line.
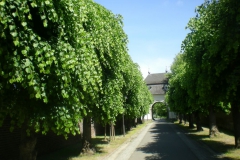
x=166 y=141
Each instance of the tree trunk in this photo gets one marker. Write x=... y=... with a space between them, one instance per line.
x=27 y=146
x=127 y=124
x=185 y=119
x=139 y=120
x=143 y=120
x=80 y=125
x=105 y=136
x=87 y=133
x=112 y=134
x=213 y=130
x=123 y=125
x=113 y=131
x=236 y=123
x=190 y=121
x=134 y=122
x=180 y=118
x=198 y=122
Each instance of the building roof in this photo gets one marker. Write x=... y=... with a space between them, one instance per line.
x=156 y=89
x=156 y=78
x=155 y=83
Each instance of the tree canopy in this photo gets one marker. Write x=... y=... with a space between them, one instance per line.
x=211 y=56
x=63 y=60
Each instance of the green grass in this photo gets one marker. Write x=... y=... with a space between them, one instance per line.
x=222 y=144
x=103 y=148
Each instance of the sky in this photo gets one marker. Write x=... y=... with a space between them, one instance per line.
x=155 y=29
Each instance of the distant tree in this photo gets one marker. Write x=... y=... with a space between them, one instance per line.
x=160 y=110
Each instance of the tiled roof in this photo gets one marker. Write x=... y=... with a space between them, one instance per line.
x=156 y=78
x=156 y=89
x=155 y=83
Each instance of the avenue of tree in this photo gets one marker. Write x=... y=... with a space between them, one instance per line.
x=62 y=61
x=205 y=75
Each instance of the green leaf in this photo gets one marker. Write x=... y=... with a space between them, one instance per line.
x=38 y=95
x=12 y=7
x=24 y=52
x=27 y=70
x=39 y=59
x=24 y=24
x=14 y=34
x=45 y=23
x=32 y=37
x=47 y=55
x=14 y=14
x=30 y=16
x=29 y=76
x=31 y=83
x=33 y=4
x=27 y=63
x=45 y=100
x=35 y=45
x=2 y=3
x=67 y=130
x=16 y=43
x=12 y=27
x=47 y=2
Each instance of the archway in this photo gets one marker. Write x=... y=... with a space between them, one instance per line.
x=159 y=109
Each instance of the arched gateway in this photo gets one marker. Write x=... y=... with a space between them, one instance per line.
x=157 y=84
x=151 y=108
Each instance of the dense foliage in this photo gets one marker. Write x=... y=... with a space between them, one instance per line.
x=63 y=60
x=160 y=110
x=210 y=54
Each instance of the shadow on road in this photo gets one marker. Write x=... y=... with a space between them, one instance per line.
x=165 y=144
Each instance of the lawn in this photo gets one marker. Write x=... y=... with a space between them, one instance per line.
x=222 y=144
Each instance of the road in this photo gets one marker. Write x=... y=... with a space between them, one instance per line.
x=163 y=140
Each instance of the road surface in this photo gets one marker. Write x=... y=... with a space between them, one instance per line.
x=163 y=140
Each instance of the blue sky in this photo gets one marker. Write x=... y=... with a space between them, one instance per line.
x=155 y=29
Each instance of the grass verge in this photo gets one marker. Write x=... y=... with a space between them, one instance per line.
x=104 y=148
x=223 y=144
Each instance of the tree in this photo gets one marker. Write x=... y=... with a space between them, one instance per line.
x=138 y=96
x=212 y=51
x=120 y=77
x=61 y=61
x=181 y=96
x=218 y=27
x=44 y=54
x=160 y=109
x=193 y=47
x=110 y=47
x=221 y=61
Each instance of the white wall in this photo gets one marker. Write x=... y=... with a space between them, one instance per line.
x=159 y=97
x=156 y=98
